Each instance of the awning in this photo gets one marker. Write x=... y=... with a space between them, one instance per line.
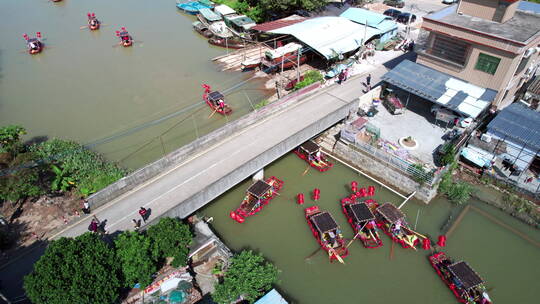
x=440 y=88
x=373 y=19
x=476 y=157
x=329 y=36
x=224 y=10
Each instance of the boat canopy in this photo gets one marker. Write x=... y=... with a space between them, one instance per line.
x=324 y=222
x=361 y=212
x=224 y=10
x=242 y=21
x=207 y=3
x=259 y=188
x=468 y=277
x=209 y=15
x=215 y=96
x=280 y=51
x=390 y=212
x=310 y=147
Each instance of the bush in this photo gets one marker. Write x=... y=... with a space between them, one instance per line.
x=309 y=78
x=80 y=270
x=448 y=154
x=10 y=137
x=261 y=104
x=133 y=251
x=89 y=170
x=457 y=192
x=170 y=238
x=249 y=275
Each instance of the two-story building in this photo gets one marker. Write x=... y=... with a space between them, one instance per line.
x=493 y=44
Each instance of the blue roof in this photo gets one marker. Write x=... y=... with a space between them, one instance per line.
x=440 y=88
x=209 y=15
x=518 y=123
x=529 y=6
x=272 y=297
x=373 y=19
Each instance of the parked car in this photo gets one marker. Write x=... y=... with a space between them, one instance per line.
x=450 y=1
x=395 y=3
x=404 y=18
x=391 y=12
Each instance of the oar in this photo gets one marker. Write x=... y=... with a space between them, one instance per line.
x=410 y=230
x=355 y=236
x=305 y=171
x=215 y=110
x=83 y=27
x=313 y=254
x=392 y=250
x=338 y=257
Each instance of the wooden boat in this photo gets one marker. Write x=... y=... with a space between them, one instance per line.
x=34 y=45
x=257 y=196
x=465 y=283
x=216 y=101
x=251 y=63
x=207 y=16
x=202 y=29
x=191 y=7
x=220 y=29
x=338 y=68
x=284 y=57
x=311 y=153
x=392 y=221
x=227 y=43
x=93 y=22
x=327 y=232
x=360 y=216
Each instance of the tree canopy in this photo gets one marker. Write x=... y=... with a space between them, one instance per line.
x=170 y=238
x=263 y=10
x=133 y=251
x=249 y=275
x=75 y=270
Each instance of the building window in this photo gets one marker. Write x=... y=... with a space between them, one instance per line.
x=487 y=63
x=522 y=64
x=450 y=49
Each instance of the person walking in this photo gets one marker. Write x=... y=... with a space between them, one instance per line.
x=143 y=213
x=93 y=227
x=86 y=207
x=136 y=224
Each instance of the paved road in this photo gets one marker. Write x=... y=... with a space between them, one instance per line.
x=172 y=187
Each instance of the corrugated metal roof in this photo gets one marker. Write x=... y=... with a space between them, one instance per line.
x=534 y=87
x=373 y=19
x=272 y=297
x=519 y=123
x=330 y=36
x=440 y=88
x=276 y=24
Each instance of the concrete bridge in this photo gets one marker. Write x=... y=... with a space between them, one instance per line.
x=190 y=177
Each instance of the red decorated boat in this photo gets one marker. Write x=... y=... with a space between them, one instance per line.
x=392 y=221
x=34 y=45
x=465 y=283
x=360 y=215
x=93 y=22
x=327 y=232
x=258 y=195
x=216 y=101
x=125 y=38
x=311 y=153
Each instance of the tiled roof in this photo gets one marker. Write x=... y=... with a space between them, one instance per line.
x=272 y=25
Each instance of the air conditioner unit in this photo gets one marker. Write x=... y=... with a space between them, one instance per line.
x=485 y=137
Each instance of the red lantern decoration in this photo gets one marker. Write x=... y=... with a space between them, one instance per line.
x=316 y=194
x=300 y=199
x=371 y=191
x=442 y=241
x=354 y=186
x=426 y=244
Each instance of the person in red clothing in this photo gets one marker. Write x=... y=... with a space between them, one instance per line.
x=143 y=212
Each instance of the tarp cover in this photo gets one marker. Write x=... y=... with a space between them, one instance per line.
x=280 y=51
x=329 y=36
x=476 y=157
x=440 y=88
x=373 y=19
x=209 y=15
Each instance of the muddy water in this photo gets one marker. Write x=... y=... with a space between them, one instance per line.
x=509 y=264
x=83 y=88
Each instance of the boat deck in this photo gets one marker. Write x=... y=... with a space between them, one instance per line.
x=233 y=61
x=324 y=222
x=361 y=212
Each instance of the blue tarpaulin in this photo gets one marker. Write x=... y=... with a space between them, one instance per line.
x=272 y=297
x=475 y=157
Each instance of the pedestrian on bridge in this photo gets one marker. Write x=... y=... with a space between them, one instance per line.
x=144 y=214
x=136 y=224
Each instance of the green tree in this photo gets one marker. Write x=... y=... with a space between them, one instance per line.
x=10 y=137
x=249 y=276
x=22 y=180
x=448 y=154
x=75 y=270
x=170 y=238
x=133 y=251
x=61 y=181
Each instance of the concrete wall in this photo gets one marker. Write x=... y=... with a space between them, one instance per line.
x=200 y=199
x=484 y=9
x=182 y=154
x=380 y=169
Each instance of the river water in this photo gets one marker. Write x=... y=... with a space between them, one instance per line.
x=509 y=264
x=82 y=88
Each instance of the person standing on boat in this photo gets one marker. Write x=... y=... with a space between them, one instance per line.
x=397 y=227
x=221 y=104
